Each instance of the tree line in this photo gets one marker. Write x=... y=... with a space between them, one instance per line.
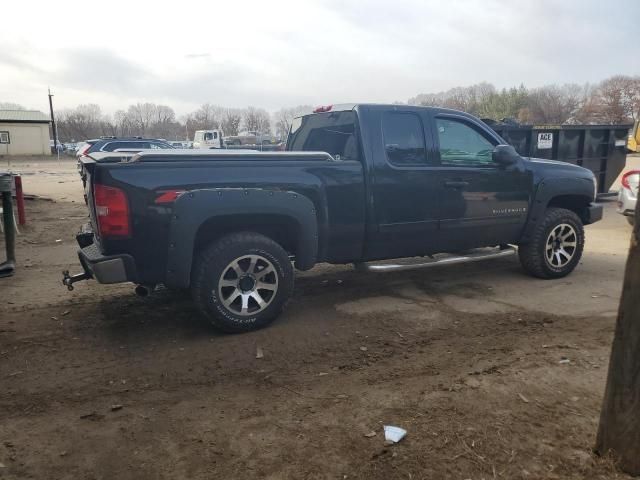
x=615 y=100
x=160 y=121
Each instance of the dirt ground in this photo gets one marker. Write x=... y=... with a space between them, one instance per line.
x=493 y=374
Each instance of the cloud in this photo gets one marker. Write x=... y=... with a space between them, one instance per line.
x=100 y=70
x=285 y=52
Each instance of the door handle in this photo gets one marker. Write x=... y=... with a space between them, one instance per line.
x=456 y=184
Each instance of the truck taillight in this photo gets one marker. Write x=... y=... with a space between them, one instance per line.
x=112 y=211
x=625 y=178
x=83 y=150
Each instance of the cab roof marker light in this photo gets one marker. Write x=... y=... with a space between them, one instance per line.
x=323 y=109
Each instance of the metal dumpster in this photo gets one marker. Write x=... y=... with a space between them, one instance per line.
x=600 y=148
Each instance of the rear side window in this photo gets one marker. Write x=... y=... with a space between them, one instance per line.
x=159 y=146
x=334 y=133
x=403 y=137
x=113 y=146
x=462 y=145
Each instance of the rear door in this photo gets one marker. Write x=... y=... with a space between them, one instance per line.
x=405 y=184
x=482 y=203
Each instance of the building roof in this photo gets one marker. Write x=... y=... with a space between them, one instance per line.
x=25 y=116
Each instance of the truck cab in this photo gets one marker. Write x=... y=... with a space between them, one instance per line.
x=208 y=139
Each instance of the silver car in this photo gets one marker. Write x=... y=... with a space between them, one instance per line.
x=628 y=195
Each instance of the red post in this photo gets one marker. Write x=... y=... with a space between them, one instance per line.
x=22 y=219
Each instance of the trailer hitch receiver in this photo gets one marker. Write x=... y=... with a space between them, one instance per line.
x=69 y=280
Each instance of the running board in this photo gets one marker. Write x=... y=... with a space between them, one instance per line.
x=444 y=259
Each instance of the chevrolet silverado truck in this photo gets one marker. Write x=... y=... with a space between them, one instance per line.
x=358 y=184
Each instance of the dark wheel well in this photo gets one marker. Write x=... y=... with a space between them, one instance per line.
x=282 y=230
x=575 y=203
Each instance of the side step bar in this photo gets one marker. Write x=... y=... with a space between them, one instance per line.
x=444 y=259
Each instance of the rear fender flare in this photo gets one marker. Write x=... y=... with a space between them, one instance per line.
x=192 y=209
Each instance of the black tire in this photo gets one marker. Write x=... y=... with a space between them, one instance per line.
x=211 y=270
x=631 y=220
x=533 y=255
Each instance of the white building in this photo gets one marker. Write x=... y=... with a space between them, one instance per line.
x=24 y=132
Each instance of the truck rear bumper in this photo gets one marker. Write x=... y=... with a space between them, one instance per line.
x=593 y=213
x=107 y=268
x=103 y=268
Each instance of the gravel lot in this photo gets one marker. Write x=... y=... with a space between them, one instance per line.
x=471 y=360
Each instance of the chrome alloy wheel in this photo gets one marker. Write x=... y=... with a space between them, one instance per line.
x=561 y=245
x=248 y=285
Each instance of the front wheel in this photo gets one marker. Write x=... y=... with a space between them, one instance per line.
x=242 y=282
x=556 y=245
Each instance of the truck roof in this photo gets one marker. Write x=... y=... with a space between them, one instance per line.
x=343 y=107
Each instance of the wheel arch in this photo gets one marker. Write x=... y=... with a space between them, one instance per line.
x=202 y=216
x=577 y=203
x=575 y=194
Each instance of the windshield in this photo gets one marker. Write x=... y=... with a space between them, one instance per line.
x=334 y=133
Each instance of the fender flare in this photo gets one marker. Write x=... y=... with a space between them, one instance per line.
x=547 y=190
x=192 y=209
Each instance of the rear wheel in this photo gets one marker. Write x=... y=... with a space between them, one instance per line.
x=242 y=282
x=556 y=245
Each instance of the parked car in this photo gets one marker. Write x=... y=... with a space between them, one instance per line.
x=628 y=194
x=207 y=139
x=111 y=144
x=358 y=184
x=250 y=138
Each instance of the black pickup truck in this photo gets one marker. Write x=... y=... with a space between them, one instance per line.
x=357 y=184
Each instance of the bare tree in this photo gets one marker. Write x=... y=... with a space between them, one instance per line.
x=165 y=125
x=620 y=98
x=206 y=117
x=554 y=104
x=124 y=125
x=84 y=121
x=466 y=99
x=282 y=118
x=231 y=119
x=142 y=115
x=256 y=119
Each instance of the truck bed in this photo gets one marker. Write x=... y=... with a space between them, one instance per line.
x=336 y=189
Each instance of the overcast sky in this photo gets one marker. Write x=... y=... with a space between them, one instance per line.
x=283 y=53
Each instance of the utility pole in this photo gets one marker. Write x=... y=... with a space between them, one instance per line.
x=619 y=431
x=53 y=123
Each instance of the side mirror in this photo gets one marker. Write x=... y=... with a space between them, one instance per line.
x=504 y=155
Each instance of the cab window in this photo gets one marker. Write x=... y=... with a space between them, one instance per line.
x=404 y=139
x=462 y=145
x=334 y=133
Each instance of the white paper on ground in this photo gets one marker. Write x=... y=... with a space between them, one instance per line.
x=394 y=434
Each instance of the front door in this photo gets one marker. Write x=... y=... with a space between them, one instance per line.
x=482 y=203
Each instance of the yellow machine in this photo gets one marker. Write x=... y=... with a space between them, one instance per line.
x=633 y=144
